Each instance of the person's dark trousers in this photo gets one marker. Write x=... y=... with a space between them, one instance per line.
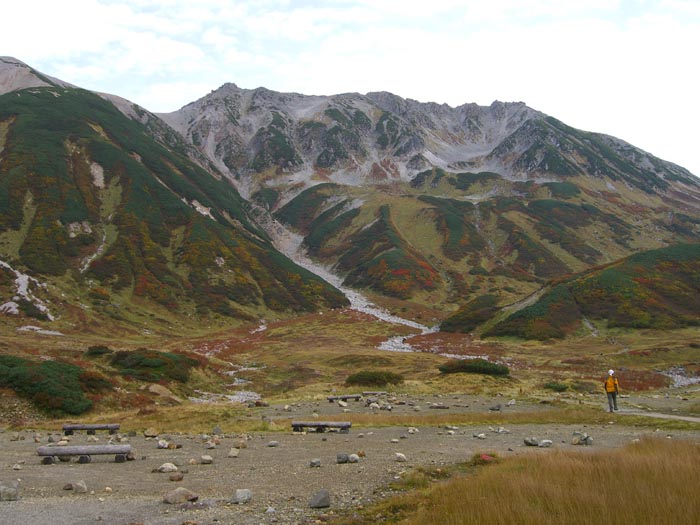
x=612 y=400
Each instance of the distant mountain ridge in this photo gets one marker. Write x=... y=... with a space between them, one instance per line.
x=415 y=202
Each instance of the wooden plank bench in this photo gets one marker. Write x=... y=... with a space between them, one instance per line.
x=322 y=426
x=344 y=397
x=84 y=452
x=377 y=393
x=91 y=428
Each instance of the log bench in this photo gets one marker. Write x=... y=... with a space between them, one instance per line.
x=322 y=426
x=84 y=452
x=91 y=428
x=344 y=397
x=374 y=393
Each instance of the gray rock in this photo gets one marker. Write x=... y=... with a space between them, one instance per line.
x=80 y=487
x=167 y=467
x=9 y=491
x=217 y=431
x=315 y=463
x=234 y=452
x=150 y=432
x=545 y=443
x=320 y=500
x=206 y=459
x=532 y=442
x=401 y=458
x=342 y=458
x=176 y=476
x=353 y=458
x=273 y=444
x=180 y=495
x=242 y=496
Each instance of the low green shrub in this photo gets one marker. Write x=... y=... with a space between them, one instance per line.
x=150 y=365
x=97 y=350
x=555 y=386
x=53 y=386
x=374 y=378
x=474 y=366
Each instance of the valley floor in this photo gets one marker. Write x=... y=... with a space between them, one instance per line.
x=280 y=478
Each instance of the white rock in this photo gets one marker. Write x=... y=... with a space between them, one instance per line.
x=401 y=458
x=167 y=467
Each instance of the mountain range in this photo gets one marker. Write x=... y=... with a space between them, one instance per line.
x=114 y=211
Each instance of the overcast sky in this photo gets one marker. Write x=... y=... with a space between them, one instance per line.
x=628 y=68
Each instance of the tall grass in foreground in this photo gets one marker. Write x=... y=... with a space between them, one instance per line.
x=651 y=482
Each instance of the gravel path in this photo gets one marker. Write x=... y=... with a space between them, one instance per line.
x=280 y=478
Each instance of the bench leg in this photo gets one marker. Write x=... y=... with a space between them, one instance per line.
x=91 y=432
x=68 y=433
x=84 y=459
x=64 y=459
x=112 y=431
x=120 y=458
x=48 y=460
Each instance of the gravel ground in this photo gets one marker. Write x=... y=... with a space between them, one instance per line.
x=280 y=478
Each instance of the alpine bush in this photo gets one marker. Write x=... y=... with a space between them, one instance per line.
x=473 y=366
x=374 y=378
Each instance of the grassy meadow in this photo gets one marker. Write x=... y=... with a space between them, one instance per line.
x=652 y=481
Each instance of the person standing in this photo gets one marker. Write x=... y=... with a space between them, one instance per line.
x=612 y=388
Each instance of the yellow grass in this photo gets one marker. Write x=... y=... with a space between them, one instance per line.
x=651 y=482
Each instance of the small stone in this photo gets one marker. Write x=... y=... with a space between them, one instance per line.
x=167 y=467
x=192 y=461
x=287 y=408
x=545 y=443
x=217 y=431
x=80 y=487
x=176 y=476
x=242 y=496
x=162 y=444
x=341 y=458
x=206 y=459
x=510 y=403
x=315 y=463
x=342 y=404
x=532 y=442
x=395 y=440
x=360 y=435
x=180 y=495
x=108 y=490
x=399 y=457
x=17 y=467
x=273 y=444
x=320 y=500
x=68 y=486
x=234 y=452
x=210 y=445
x=353 y=458
x=412 y=430
x=9 y=491
x=241 y=443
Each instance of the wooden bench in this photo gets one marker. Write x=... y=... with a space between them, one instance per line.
x=344 y=397
x=84 y=452
x=377 y=393
x=91 y=428
x=321 y=426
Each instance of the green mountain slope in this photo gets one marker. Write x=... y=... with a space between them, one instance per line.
x=88 y=196
x=657 y=289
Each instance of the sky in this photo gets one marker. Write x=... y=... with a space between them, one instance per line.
x=628 y=68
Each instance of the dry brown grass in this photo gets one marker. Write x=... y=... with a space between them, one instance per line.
x=651 y=482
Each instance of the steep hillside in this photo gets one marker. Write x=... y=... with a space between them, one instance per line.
x=91 y=202
x=654 y=289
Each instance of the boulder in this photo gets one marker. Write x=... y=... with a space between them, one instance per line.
x=167 y=467
x=353 y=458
x=320 y=500
x=150 y=432
x=180 y=495
x=342 y=458
x=206 y=459
x=176 y=476
x=401 y=458
x=315 y=463
x=242 y=496
x=80 y=487
x=234 y=452
x=9 y=491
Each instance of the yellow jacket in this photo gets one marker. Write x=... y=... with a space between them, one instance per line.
x=611 y=384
